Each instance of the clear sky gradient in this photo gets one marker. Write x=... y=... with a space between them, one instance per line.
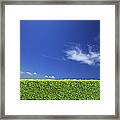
x=60 y=49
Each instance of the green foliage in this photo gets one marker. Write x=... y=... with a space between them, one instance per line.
x=60 y=90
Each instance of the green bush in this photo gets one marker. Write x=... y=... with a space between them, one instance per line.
x=60 y=90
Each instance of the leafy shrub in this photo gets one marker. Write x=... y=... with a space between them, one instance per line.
x=60 y=90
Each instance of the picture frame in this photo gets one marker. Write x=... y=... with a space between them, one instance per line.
x=2 y=67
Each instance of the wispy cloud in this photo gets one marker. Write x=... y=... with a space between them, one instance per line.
x=77 y=54
x=29 y=73
x=21 y=72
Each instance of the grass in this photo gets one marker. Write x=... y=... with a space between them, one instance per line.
x=60 y=90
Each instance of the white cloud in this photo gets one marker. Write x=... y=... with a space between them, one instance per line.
x=29 y=73
x=52 y=77
x=49 y=76
x=34 y=73
x=46 y=76
x=77 y=54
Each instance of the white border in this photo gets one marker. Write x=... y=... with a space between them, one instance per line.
x=15 y=13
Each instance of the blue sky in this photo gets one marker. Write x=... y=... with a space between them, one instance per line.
x=60 y=49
